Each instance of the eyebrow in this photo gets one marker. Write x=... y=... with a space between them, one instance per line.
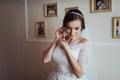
x=67 y=26
x=74 y=27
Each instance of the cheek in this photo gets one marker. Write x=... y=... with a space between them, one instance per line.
x=68 y=32
x=77 y=32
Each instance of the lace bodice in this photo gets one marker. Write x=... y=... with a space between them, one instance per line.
x=79 y=51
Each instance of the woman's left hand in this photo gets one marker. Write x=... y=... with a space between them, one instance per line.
x=64 y=43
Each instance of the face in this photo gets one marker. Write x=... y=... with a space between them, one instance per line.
x=73 y=29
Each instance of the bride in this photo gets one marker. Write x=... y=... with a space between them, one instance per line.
x=69 y=50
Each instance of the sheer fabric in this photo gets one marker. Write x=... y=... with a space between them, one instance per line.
x=63 y=70
x=83 y=53
x=92 y=69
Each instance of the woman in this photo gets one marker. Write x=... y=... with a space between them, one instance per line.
x=69 y=49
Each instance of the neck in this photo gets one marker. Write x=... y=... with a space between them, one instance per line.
x=74 y=40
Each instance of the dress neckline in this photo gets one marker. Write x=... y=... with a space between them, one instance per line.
x=78 y=41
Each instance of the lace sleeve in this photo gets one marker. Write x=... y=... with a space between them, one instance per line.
x=83 y=57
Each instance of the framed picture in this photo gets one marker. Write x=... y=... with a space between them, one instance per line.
x=51 y=10
x=116 y=27
x=100 y=6
x=40 y=29
x=67 y=9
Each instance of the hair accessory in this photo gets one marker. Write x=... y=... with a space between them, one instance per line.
x=76 y=14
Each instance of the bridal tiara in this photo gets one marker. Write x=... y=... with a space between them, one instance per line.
x=76 y=14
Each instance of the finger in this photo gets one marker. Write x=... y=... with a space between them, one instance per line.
x=60 y=30
x=63 y=28
x=63 y=40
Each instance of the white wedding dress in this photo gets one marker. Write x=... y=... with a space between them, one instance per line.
x=63 y=70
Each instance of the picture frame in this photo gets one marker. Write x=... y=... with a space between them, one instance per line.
x=116 y=27
x=67 y=9
x=100 y=6
x=40 y=29
x=51 y=10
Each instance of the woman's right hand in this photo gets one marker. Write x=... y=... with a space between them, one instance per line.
x=59 y=33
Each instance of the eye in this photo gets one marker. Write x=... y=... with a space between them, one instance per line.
x=67 y=27
x=76 y=28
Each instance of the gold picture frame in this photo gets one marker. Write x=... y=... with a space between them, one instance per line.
x=116 y=27
x=40 y=29
x=100 y=6
x=67 y=9
x=51 y=10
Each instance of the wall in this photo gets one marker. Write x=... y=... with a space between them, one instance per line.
x=20 y=59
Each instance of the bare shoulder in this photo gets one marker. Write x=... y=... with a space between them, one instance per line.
x=83 y=40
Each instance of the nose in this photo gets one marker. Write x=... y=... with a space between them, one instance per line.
x=72 y=32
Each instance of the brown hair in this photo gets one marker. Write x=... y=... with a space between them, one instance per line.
x=74 y=14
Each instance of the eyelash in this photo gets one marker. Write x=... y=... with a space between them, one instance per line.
x=76 y=28
x=68 y=28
